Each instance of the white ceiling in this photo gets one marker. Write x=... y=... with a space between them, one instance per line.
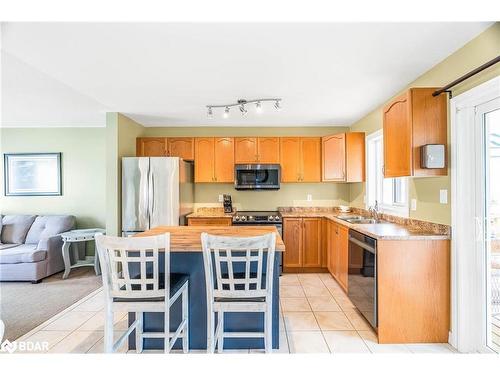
x=165 y=74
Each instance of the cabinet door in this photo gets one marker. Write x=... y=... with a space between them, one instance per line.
x=324 y=243
x=151 y=146
x=245 y=150
x=292 y=237
x=268 y=150
x=311 y=159
x=334 y=158
x=290 y=159
x=224 y=160
x=204 y=160
x=397 y=138
x=182 y=147
x=343 y=256
x=311 y=237
x=332 y=248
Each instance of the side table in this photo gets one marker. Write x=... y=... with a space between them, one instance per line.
x=75 y=236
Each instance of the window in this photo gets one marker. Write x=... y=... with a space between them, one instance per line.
x=391 y=194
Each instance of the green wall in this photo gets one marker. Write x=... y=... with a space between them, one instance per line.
x=483 y=48
x=121 y=133
x=83 y=172
x=223 y=131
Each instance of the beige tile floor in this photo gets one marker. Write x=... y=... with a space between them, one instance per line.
x=316 y=316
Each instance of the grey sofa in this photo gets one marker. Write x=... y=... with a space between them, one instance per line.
x=30 y=246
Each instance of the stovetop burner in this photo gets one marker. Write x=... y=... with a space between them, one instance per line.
x=260 y=217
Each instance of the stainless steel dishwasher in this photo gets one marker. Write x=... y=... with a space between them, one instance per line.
x=362 y=276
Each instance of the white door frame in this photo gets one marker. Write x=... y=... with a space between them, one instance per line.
x=468 y=263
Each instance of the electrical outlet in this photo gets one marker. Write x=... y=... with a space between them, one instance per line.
x=221 y=198
x=309 y=197
x=443 y=196
x=413 y=205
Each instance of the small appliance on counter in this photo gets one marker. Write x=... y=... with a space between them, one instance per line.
x=228 y=204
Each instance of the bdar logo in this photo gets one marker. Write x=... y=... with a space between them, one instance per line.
x=8 y=346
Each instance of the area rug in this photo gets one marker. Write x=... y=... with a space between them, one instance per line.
x=24 y=306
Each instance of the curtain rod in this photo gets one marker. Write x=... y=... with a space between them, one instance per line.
x=466 y=76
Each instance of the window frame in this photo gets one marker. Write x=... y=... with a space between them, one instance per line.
x=397 y=209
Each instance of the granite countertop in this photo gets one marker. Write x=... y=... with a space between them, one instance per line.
x=380 y=231
x=188 y=239
x=210 y=212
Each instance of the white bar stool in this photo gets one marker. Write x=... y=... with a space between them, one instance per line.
x=238 y=291
x=132 y=282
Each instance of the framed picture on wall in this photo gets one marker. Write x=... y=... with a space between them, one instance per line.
x=32 y=174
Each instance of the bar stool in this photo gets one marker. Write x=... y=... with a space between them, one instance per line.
x=132 y=282
x=239 y=274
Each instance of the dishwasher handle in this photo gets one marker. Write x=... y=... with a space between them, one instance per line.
x=362 y=244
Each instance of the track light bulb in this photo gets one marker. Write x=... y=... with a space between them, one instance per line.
x=258 y=107
x=210 y=113
x=226 y=113
x=277 y=105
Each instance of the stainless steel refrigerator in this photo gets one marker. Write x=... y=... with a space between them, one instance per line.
x=155 y=191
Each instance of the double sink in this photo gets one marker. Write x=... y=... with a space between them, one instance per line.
x=356 y=219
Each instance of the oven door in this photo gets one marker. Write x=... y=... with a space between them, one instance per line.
x=362 y=276
x=257 y=176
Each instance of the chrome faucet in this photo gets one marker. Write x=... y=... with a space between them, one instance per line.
x=373 y=210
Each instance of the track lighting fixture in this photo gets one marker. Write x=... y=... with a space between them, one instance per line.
x=241 y=105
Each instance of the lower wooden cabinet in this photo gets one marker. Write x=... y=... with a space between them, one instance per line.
x=338 y=252
x=303 y=242
x=210 y=221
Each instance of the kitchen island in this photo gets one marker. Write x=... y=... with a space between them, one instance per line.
x=186 y=257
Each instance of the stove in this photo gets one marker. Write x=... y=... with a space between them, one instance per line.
x=257 y=218
x=261 y=218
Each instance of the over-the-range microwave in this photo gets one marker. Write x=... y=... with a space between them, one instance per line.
x=257 y=176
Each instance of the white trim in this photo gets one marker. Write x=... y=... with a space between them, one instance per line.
x=397 y=210
x=467 y=302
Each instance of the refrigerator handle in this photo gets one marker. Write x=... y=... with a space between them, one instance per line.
x=150 y=196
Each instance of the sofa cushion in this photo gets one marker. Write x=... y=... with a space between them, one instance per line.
x=22 y=254
x=15 y=228
x=47 y=226
x=4 y=246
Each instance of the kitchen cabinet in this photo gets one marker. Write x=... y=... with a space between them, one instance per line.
x=302 y=237
x=245 y=150
x=300 y=159
x=182 y=147
x=214 y=160
x=338 y=252
x=292 y=237
x=210 y=221
x=413 y=119
x=268 y=150
x=343 y=157
x=151 y=146
x=251 y=150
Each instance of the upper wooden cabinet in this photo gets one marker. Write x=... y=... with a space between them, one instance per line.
x=245 y=150
x=214 y=160
x=411 y=120
x=300 y=159
x=251 y=150
x=343 y=157
x=182 y=147
x=151 y=146
x=268 y=150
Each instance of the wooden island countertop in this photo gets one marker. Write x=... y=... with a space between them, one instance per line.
x=188 y=238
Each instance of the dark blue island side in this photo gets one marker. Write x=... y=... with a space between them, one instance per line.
x=191 y=263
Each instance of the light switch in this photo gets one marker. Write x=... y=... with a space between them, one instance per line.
x=309 y=197
x=221 y=198
x=413 y=205
x=443 y=196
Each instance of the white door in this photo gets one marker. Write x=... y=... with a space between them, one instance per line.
x=476 y=219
